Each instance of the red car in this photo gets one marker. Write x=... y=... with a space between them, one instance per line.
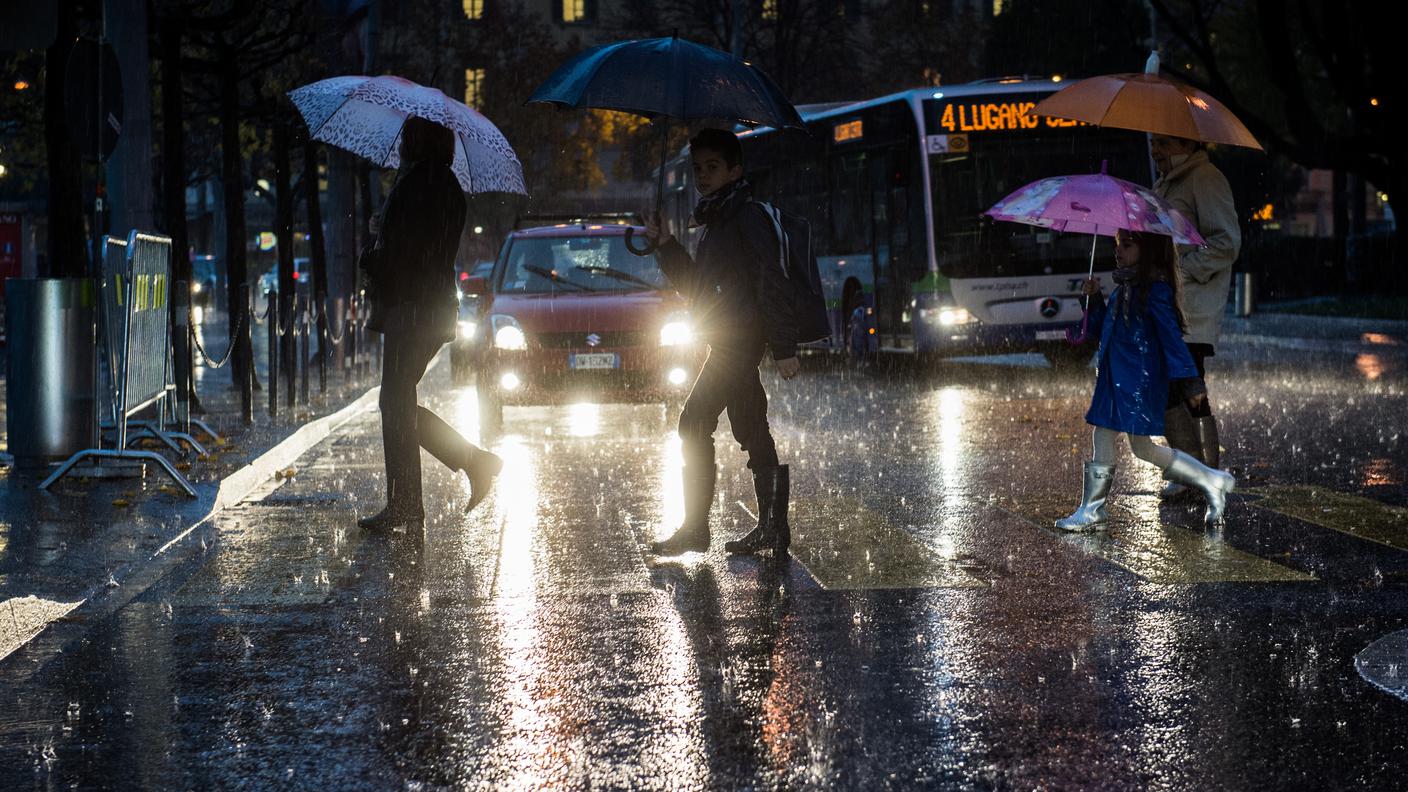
x=568 y=312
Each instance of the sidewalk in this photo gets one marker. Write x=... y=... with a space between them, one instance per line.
x=1316 y=333
x=88 y=546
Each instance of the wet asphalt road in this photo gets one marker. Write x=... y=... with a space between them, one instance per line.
x=929 y=630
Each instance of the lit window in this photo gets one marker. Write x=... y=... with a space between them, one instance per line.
x=473 y=86
x=769 y=9
x=574 y=10
x=474 y=9
x=998 y=6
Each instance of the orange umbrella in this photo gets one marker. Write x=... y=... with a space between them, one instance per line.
x=1148 y=103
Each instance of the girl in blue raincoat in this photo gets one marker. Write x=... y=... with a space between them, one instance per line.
x=1141 y=353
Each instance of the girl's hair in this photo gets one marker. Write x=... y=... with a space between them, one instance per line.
x=426 y=141
x=1158 y=261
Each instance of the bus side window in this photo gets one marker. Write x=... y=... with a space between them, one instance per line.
x=848 y=206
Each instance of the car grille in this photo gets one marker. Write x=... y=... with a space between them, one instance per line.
x=578 y=340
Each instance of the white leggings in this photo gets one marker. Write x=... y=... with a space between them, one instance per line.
x=1143 y=446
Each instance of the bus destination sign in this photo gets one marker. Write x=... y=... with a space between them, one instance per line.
x=848 y=131
x=994 y=116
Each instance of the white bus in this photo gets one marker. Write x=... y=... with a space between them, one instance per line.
x=894 y=188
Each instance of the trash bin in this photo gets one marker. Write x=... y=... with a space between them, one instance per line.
x=51 y=324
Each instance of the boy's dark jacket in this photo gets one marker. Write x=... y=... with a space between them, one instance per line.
x=738 y=291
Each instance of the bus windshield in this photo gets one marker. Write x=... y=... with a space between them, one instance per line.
x=967 y=182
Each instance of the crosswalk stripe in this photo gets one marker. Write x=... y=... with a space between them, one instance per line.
x=1138 y=541
x=1356 y=516
x=846 y=546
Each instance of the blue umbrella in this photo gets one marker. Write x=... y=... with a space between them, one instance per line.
x=669 y=78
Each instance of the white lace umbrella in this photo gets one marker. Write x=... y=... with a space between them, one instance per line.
x=364 y=115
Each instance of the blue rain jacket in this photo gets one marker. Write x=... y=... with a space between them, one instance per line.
x=1138 y=356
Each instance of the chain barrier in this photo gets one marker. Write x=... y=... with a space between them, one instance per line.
x=205 y=357
x=336 y=339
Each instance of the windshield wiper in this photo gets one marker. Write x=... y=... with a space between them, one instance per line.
x=555 y=278
x=619 y=275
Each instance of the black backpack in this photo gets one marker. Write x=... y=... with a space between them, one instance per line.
x=799 y=265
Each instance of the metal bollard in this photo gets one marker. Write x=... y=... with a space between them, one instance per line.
x=1245 y=296
x=291 y=339
x=272 y=320
x=246 y=365
x=323 y=347
x=181 y=351
x=306 y=332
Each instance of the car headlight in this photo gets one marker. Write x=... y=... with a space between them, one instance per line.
x=196 y=287
x=676 y=332
x=507 y=333
x=468 y=329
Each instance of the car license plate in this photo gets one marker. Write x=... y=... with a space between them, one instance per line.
x=1050 y=335
x=593 y=360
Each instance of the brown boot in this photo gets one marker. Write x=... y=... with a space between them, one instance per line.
x=1181 y=432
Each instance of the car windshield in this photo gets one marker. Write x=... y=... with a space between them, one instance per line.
x=578 y=264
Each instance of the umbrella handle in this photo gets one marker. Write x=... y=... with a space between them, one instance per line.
x=1077 y=338
x=650 y=247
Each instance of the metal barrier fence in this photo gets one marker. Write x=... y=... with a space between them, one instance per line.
x=134 y=292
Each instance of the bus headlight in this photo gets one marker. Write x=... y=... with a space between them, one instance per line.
x=507 y=333
x=467 y=329
x=946 y=316
x=676 y=332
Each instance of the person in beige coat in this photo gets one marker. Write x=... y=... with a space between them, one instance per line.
x=1195 y=187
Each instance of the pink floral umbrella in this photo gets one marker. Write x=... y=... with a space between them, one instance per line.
x=1097 y=204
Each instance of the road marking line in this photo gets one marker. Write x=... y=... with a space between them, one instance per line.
x=1138 y=542
x=845 y=546
x=1356 y=516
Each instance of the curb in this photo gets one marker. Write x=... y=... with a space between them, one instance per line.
x=69 y=620
x=237 y=486
x=1303 y=344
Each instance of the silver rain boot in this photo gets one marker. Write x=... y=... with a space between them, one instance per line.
x=1214 y=484
x=1095 y=487
x=1181 y=432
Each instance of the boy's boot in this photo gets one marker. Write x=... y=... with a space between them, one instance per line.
x=1208 y=441
x=693 y=535
x=1214 y=484
x=1095 y=488
x=1181 y=432
x=481 y=468
x=771 y=485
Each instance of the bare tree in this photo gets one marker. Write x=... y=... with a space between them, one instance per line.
x=1317 y=81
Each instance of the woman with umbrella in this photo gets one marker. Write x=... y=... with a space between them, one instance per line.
x=413 y=273
x=1195 y=187
x=442 y=149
